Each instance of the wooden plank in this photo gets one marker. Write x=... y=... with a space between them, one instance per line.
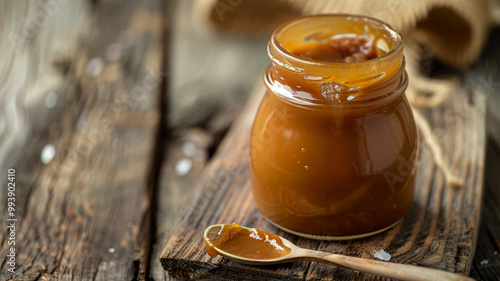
x=201 y=63
x=186 y=154
x=486 y=264
x=439 y=231
x=83 y=215
x=485 y=74
x=203 y=104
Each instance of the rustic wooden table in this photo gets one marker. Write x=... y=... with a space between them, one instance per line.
x=103 y=162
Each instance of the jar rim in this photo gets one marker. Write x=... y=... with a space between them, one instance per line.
x=321 y=82
x=276 y=44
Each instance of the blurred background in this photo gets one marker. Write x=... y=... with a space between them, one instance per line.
x=111 y=110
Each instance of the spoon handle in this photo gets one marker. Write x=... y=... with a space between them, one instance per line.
x=388 y=269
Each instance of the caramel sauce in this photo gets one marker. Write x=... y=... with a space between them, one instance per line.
x=334 y=145
x=312 y=174
x=252 y=244
x=341 y=49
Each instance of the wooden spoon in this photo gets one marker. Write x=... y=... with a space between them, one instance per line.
x=379 y=268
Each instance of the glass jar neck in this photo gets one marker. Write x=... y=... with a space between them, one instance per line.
x=307 y=81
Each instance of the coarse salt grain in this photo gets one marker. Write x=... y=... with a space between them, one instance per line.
x=484 y=262
x=183 y=166
x=382 y=255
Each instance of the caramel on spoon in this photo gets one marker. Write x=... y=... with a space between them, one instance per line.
x=257 y=247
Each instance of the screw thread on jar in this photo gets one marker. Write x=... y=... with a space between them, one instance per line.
x=324 y=82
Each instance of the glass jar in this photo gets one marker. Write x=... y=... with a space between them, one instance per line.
x=334 y=144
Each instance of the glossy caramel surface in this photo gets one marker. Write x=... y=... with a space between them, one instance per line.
x=347 y=48
x=334 y=142
x=247 y=243
x=328 y=173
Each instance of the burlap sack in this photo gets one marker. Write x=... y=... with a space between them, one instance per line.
x=453 y=31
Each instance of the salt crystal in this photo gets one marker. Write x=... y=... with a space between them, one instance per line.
x=51 y=100
x=183 y=166
x=111 y=250
x=382 y=255
x=254 y=234
x=189 y=149
x=48 y=153
x=82 y=123
x=337 y=92
x=484 y=262
x=95 y=66
x=495 y=253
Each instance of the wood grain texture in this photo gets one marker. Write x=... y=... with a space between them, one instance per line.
x=93 y=197
x=440 y=230
x=83 y=214
x=175 y=188
x=201 y=62
x=486 y=263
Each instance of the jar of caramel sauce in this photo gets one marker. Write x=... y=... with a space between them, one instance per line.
x=334 y=143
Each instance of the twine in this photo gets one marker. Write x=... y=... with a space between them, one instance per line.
x=441 y=90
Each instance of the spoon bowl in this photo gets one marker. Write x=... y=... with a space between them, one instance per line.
x=379 y=268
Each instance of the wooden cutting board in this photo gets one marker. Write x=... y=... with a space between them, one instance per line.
x=440 y=231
